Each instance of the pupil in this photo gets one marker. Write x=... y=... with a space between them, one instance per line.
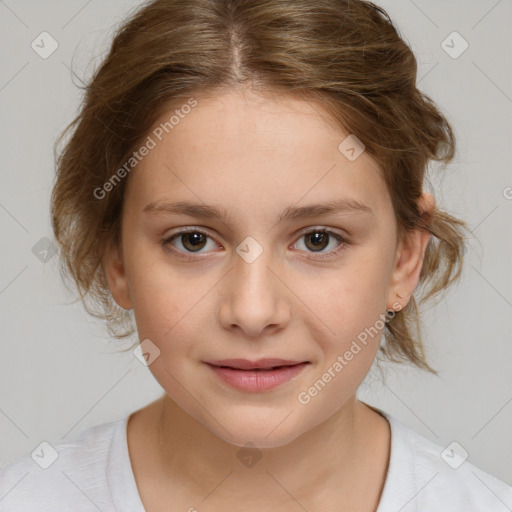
x=320 y=240
x=193 y=240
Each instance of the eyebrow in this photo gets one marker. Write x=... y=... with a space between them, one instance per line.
x=291 y=213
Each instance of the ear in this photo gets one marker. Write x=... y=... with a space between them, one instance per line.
x=410 y=254
x=115 y=274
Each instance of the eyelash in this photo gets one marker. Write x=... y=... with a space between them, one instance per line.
x=166 y=242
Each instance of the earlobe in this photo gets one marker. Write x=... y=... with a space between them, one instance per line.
x=115 y=274
x=409 y=259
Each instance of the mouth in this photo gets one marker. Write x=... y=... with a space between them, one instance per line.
x=261 y=364
x=256 y=376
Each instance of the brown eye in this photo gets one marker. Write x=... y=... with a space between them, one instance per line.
x=323 y=243
x=189 y=241
x=193 y=241
x=317 y=240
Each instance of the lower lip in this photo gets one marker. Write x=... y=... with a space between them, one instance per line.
x=257 y=380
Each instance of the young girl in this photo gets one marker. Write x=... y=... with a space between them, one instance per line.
x=246 y=178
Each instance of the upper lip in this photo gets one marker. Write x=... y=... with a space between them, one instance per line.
x=260 y=364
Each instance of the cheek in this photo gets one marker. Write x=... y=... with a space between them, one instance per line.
x=351 y=298
x=353 y=307
x=358 y=321
x=161 y=297
x=172 y=307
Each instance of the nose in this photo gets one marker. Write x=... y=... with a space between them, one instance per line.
x=255 y=298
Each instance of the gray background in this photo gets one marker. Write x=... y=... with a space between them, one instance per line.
x=59 y=374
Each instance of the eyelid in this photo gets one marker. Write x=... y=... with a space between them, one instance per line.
x=341 y=237
x=327 y=229
x=166 y=240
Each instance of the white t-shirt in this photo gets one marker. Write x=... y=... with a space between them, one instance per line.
x=93 y=472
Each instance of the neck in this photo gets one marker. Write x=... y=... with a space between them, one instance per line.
x=337 y=454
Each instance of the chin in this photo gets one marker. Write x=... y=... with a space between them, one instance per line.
x=266 y=431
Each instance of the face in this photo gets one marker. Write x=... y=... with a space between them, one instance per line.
x=254 y=265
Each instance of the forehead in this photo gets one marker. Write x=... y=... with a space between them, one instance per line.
x=246 y=150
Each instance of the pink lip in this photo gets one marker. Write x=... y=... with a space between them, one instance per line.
x=259 y=375
x=260 y=364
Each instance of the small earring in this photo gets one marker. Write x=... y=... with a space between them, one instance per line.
x=398 y=295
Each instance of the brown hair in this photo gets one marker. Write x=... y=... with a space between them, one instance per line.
x=347 y=55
